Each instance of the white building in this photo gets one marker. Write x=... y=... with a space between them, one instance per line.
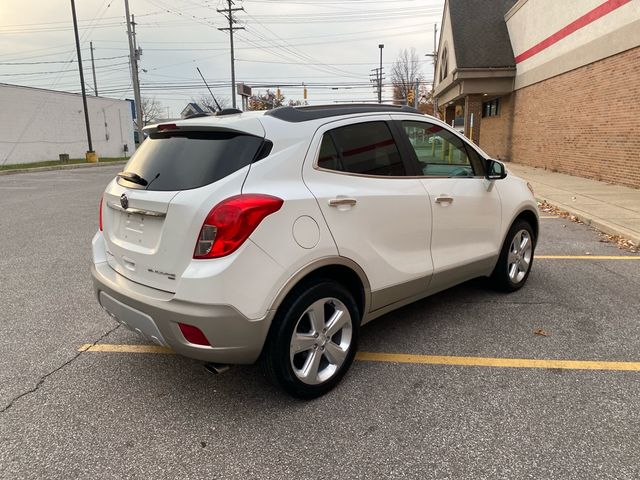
x=38 y=125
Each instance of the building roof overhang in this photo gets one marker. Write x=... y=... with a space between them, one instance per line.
x=469 y=81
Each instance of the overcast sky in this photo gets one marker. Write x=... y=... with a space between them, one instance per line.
x=325 y=44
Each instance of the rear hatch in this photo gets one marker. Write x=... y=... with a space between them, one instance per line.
x=153 y=212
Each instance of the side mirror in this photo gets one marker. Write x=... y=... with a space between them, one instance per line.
x=495 y=170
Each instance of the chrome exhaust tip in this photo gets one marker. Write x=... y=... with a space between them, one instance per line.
x=216 y=368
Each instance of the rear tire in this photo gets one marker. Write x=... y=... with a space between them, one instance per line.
x=516 y=258
x=313 y=339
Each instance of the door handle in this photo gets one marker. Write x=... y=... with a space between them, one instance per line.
x=444 y=199
x=338 y=201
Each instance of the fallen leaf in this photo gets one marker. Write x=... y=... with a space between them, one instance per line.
x=541 y=332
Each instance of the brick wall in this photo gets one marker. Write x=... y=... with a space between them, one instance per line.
x=473 y=105
x=584 y=122
x=495 y=134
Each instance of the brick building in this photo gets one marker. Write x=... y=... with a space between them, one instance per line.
x=547 y=83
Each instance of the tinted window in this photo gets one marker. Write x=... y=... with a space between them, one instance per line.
x=364 y=148
x=440 y=152
x=185 y=160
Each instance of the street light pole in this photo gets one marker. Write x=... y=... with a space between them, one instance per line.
x=84 y=93
x=381 y=46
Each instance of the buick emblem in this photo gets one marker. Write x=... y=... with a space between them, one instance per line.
x=124 y=201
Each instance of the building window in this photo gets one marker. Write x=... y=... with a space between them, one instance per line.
x=444 y=64
x=491 y=108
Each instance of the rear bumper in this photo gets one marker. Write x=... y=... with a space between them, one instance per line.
x=155 y=314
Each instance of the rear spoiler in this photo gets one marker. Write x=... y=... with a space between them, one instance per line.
x=246 y=126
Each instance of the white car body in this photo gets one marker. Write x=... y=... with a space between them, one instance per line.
x=406 y=237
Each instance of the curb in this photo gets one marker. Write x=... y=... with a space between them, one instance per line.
x=597 y=223
x=61 y=167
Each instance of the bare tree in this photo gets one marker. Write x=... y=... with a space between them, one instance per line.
x=405 y=75
x=265 y=101
x=206 y=101
x=152 y=110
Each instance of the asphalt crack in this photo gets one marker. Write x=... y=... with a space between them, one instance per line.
x=619 y=274
x=40 y=382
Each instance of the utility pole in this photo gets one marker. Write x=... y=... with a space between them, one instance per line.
x=133 y=59
x=228 y=13
x=434 y=57
x=381 y=46
x=93 y=69
x=84 y=93
x=376 y=78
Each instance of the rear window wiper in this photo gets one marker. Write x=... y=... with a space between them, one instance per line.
x=133 y=178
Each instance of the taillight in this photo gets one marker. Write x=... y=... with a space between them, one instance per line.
x=100 y=214
x=166 y=126
x=231 y=222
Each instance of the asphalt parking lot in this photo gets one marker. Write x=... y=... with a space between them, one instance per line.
x=449 y=387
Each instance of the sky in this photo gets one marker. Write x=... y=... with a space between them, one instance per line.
x=331 y=46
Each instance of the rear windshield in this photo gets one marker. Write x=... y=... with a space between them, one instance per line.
x=186 y=160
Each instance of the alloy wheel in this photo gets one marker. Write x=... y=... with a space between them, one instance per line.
x=320 y=341
x=520 y=255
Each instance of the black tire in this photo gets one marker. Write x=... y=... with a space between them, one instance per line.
x=277 y=359
x=500 y=278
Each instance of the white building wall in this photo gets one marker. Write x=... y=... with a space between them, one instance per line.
x=38 y=125
x=446 y=40
x=532 y=21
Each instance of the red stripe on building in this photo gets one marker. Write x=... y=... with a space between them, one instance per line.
x=589 y=17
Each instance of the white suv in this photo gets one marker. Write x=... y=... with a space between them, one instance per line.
x=276 y=235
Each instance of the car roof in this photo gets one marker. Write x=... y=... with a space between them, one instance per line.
x=257 y=122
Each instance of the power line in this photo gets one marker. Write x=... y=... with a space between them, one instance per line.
x=59 y=61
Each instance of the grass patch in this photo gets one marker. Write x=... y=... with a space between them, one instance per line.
x=49 y=163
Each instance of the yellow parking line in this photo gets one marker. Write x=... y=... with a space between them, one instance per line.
x=497 y=362
x=587 y=257
x=416 y=359
x=548 y=216
x=105 y=347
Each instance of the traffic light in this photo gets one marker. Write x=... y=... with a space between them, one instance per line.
x=410 y=97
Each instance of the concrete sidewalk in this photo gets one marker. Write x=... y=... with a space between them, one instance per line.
x=613 y=209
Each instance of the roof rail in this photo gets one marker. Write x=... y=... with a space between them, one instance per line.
x=197 y=115
x=314 y=112
x=227 y=111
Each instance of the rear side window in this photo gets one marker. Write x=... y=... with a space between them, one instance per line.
x=186 y=160
x=363 y=148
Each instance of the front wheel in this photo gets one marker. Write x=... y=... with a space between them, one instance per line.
x=516 y=258
x=313 y=340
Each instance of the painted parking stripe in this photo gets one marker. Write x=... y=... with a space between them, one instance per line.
x=416 y=359
x=548 y=216
x=587 y=257
x=497 y=362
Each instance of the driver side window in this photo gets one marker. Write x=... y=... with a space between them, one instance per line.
x=440 y=153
